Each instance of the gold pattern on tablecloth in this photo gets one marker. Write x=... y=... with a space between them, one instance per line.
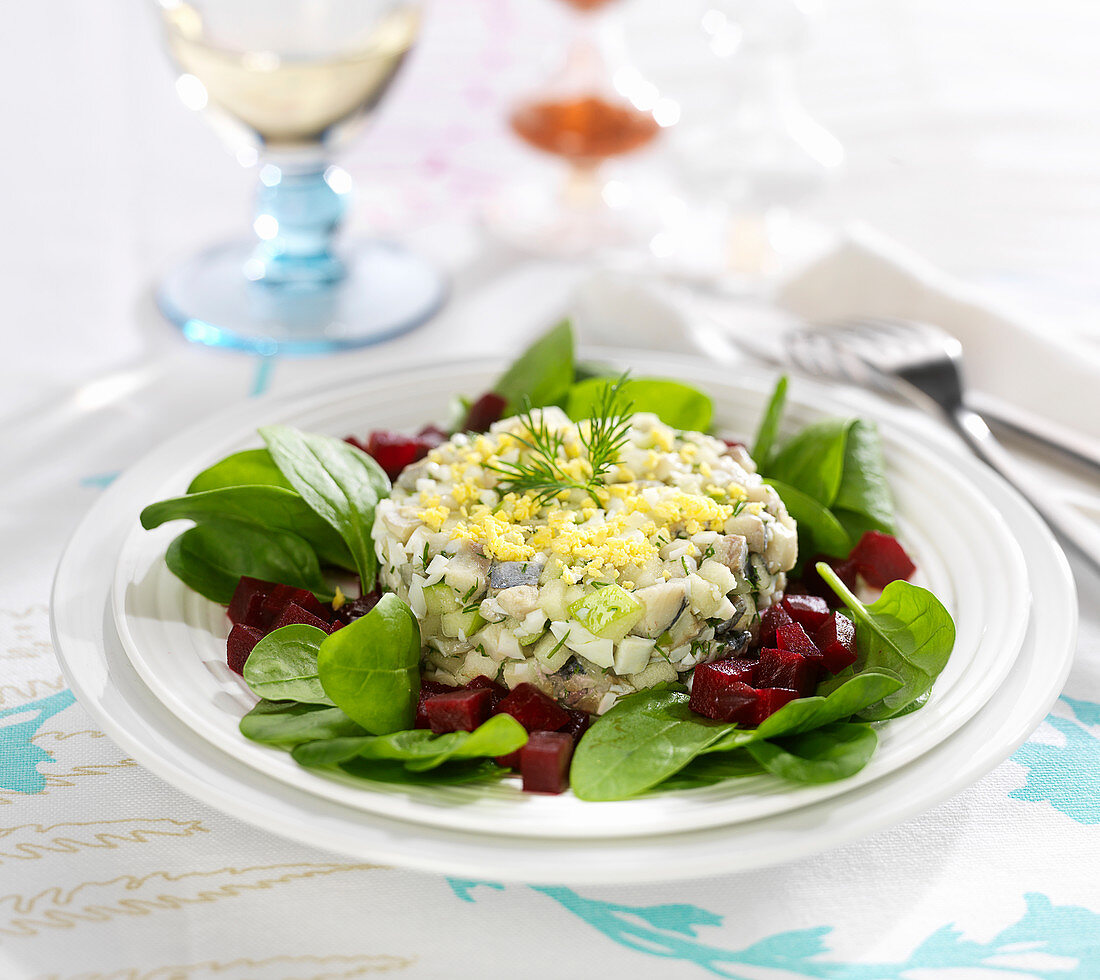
x=13 y=694
x=31 y=841
x=331 y=968
x=65 y=777
x=62 y=907
x=24 y=623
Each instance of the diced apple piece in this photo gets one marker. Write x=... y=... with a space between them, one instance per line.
x=544 y=762
x=632 y=654
x=551 y=653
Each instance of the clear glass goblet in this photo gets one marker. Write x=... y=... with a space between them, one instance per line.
x=291 y=80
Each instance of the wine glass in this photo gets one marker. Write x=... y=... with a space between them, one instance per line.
x=597 y=106
x=288 y=81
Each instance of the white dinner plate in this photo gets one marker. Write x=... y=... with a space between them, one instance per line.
x=101 y=675
x=176 y=639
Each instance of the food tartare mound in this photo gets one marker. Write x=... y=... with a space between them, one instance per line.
x=611 y=583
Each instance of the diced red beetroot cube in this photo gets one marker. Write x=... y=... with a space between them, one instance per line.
x=498 y=691
x=733 y=702
x=533 y=710
x=837 y=642
x=457 y=711
x=282 y=596
x=509 y=761
x=433 y=435
x=772 y=618
x=770 y=700
x=579 y=722
x=716 y=688
x=254 y=615
x=845 y=570
x=809 y=611
x=428 y=689
x=244 y=595
x=393 y=451
x=734 y=444
x=784 y=668
x=295 y=615
x=544 y=762
x=352 y=441
x=794 y=638
x=489 y=408
x=242 y=639
x=881 y=559
x=355 y=608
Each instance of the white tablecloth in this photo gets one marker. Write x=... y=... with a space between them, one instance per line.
x=969 y=137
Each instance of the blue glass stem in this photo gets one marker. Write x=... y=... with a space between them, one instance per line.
x=298 y=213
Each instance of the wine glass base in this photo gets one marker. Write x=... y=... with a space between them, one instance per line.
x=387 y=291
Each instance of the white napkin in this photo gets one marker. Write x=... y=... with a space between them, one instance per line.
x=1021 y=366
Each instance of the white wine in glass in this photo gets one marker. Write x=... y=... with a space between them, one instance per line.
x=294 y=78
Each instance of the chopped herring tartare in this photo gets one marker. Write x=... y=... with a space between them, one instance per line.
x=590 y=592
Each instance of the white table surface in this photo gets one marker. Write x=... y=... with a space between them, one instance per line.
x=973 y=135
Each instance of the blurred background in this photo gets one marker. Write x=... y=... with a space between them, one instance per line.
x=970 y=133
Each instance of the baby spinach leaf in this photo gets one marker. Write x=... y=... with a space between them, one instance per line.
x=283 y=665
x=371 y=667
x=265 y=506
x=906 y=632
x=673 y=402
x=211 y=558
x=338 y=481
x=769 y=426
x=819 y=531
x=418 y=748
x=714 y=767
x=813 y=460
x=863 y=490
x=542 y=373
x=251 y=467
x=640 y=742
x=807 y=714
x=288 y=723
x=388 y=771
x=820 y=756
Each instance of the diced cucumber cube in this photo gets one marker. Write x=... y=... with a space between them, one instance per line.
x=552 y=653
x=609 y=613
x=440 y=599
x=458 y=622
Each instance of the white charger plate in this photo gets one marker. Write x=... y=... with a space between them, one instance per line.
x=176 y=639
x=100 y=673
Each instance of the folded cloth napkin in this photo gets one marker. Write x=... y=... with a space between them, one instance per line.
x=1013 y=363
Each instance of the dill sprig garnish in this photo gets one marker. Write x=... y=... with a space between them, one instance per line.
x=540 y=470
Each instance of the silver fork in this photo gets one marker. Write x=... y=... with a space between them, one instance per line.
x=909 y=358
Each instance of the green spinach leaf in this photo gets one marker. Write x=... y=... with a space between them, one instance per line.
x=674 y=403
x=641 y=741
x=542 y=373
x=371 y=667
x=864 y=492
x=819 y=531
x=211 y=558
x=714 y=767
x=251 y=467
x=289 y=723
x=813 y=460
x=418 y=748
x=768 y=431
x=820 y=756
x=283 y=665
x=339 y=482
x=388 y=771
x=265 y=506
x=906 y=632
